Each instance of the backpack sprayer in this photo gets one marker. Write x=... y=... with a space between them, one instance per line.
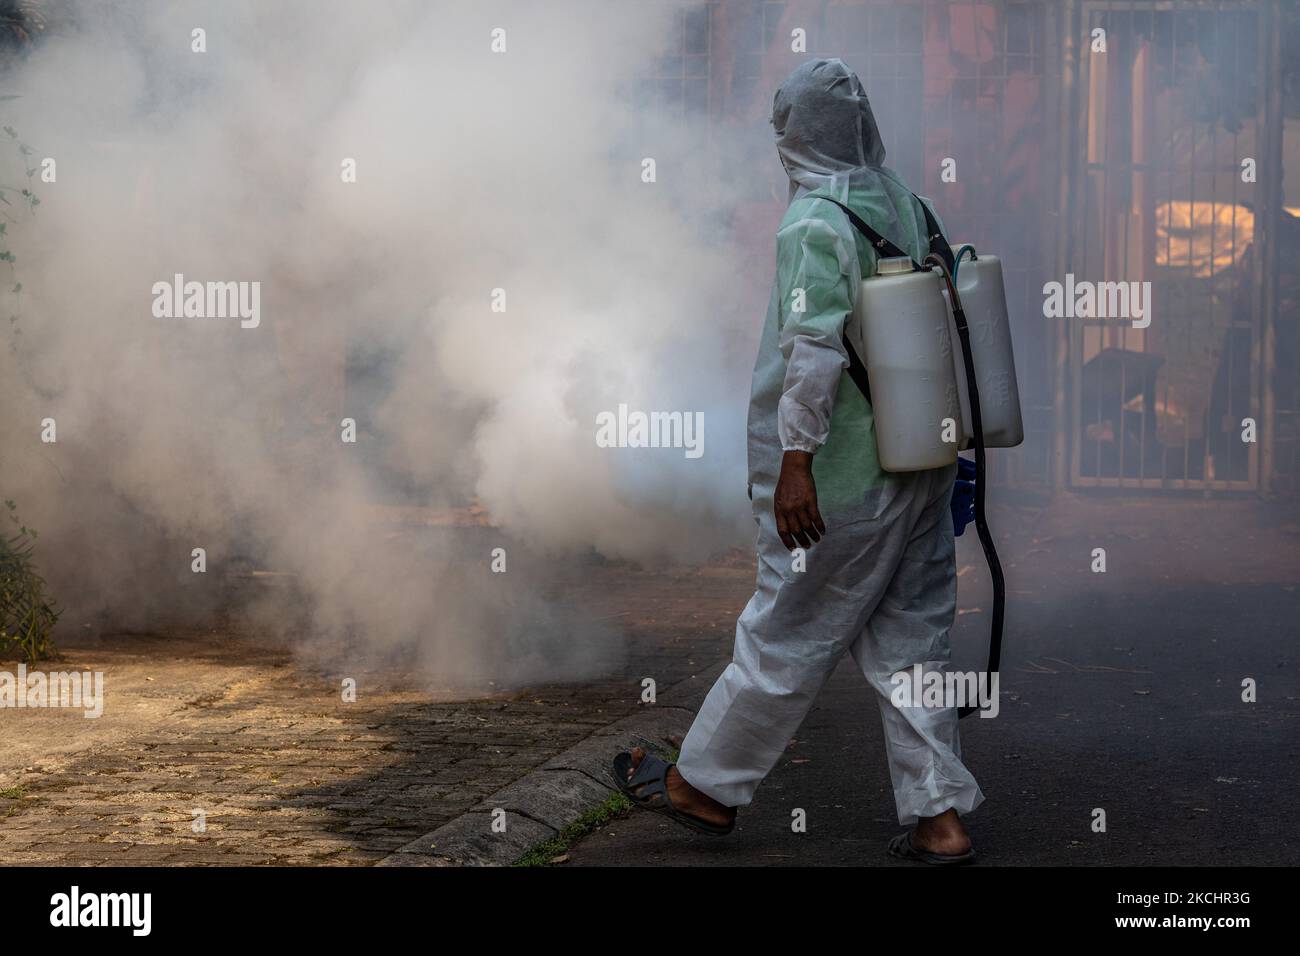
x=913 y=318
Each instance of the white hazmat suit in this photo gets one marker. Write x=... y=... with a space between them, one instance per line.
x=881 y=583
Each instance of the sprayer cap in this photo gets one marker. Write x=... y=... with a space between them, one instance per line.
x=893 y=266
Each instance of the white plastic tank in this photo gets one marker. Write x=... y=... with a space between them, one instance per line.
x=984 y=299
x=903 y=322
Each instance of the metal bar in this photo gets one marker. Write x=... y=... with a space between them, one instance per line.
x=1119 y=334
x=1206 y=479
x=1191 y=197
x=1267 y=227
x=1076 y=79
x=1157 y=484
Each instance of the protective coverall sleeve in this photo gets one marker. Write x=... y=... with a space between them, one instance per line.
x=817 y=278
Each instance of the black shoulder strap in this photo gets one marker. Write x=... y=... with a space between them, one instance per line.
x=886 y=249
x=857 y=371
x=938 y=244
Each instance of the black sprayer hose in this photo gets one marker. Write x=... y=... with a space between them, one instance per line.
x=981 y=525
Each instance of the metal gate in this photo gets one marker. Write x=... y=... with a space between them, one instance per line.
x=1173 y=186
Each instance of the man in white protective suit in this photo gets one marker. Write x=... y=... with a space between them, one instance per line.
x=879 y=581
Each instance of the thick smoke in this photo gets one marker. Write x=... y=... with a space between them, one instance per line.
x=476 y=171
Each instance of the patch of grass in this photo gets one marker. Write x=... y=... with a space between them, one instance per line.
x=543 y=853
x=12 y=793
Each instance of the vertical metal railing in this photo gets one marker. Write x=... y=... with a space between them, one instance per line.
x=1166 y=116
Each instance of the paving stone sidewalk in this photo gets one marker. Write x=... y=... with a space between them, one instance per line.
x=287 y=773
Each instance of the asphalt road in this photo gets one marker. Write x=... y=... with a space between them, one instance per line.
x=1120 y=691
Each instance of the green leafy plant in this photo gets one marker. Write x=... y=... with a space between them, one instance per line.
x=27 y=614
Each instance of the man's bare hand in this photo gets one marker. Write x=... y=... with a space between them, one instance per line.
x=798 y=521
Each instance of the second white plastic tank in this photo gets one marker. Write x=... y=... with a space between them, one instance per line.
x=979 y=285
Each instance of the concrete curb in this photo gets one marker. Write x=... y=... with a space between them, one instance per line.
x=545 y=801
